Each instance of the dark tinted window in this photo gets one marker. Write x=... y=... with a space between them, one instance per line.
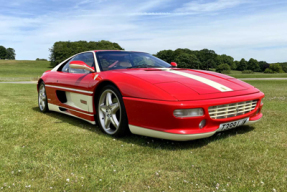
x=88 y=58
x=110 y=60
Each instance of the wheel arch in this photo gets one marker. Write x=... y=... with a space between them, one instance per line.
x=100 y=86
x=97 y=93
x=39 y=82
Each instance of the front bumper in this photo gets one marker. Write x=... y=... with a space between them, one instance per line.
x=169 y=136
x=156 y=119
x=175 y=137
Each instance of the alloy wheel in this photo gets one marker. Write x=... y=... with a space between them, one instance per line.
x=109 y=109
x=42 y=97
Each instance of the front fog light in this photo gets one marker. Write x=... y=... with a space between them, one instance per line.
x=202 y=123
x=188 y=112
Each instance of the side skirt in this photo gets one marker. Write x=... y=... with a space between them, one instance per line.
x=56 y=108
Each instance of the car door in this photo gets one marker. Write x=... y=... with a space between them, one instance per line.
x=73 y=90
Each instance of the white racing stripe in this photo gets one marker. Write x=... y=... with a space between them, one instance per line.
x=211 y=83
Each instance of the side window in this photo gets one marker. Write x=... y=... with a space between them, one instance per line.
x=88 y=58
x=66 y=67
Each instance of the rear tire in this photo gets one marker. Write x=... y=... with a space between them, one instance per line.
x=111 y=113
x=42 y=98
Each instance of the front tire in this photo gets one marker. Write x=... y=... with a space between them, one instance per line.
x=111 y=113
x=42 y=98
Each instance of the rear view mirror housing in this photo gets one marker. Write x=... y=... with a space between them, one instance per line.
x=80 y=65
x=173 y=64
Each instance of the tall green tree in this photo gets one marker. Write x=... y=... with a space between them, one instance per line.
x=10 y=54
x=234 y=65
x=2 y=52
x=185 y=60
x=227 y=59
x=263 y=65
x=166 y=55
x=242 y=65
x=223 y=67
x=283 y=65
x=218 y=60
x=179 y=51
x=62 y=50
x=253 y=65
x=276 y=68
x=210 y=63
x=206 y=57
x=284 y=68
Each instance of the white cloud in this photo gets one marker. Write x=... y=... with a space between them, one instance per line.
x=260 y=35
x=208 y=6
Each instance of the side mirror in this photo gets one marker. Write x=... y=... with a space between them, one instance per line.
x=80 y=65
x=173 y=64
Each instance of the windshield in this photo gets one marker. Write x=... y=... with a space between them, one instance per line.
x=110 y=60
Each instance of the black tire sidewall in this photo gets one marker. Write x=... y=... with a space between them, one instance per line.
x=123 y=128
x=46 y=109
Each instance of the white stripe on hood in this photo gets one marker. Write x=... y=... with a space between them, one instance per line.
x=211 y=83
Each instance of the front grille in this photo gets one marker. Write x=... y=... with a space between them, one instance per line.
x=231 y=110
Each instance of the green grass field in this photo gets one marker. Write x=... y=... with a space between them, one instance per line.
x=14 y=70
x=54 y=152
x=238 y=74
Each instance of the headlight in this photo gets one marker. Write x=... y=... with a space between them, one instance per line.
x=261 y=101
x=188 y=112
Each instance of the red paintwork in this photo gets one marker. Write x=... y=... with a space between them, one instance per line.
x=174 y=64
x=151 y=95
x=158 y=115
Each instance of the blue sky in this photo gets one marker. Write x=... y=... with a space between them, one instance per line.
x=240 y=28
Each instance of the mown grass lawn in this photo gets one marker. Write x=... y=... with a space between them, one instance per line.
x=54 y=152
x=239 y=74
x=258 y=75
x=15 y=70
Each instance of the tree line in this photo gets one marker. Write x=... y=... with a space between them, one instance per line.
x=38 y=59
x=185 y=58
x=62 y=50
x=206 y=59
x=8 y=53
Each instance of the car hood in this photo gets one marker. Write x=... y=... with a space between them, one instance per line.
x=187 y=84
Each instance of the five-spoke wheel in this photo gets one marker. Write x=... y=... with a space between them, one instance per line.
x=111 y=112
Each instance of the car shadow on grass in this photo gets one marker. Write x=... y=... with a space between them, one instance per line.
x=149 y=141
x=63 y=118
x=175 y=145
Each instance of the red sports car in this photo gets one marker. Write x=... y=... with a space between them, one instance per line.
x=125 y=91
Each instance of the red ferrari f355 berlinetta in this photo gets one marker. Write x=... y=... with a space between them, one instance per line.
x=126 y=91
